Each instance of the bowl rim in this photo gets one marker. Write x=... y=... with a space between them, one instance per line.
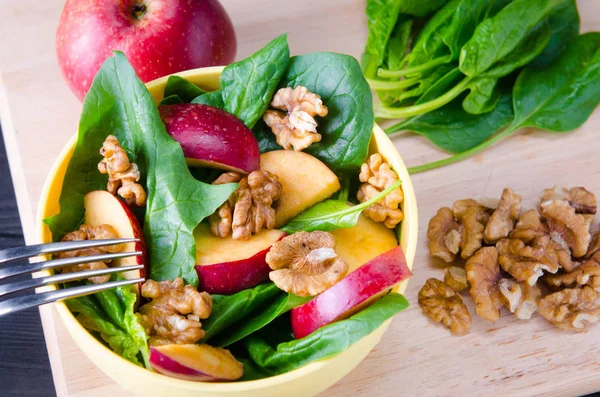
x=83 y=336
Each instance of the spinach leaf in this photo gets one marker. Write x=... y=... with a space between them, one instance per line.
x=118 y=103
x=483 y=97
x=325 y=342
x=111 y=314
x=398 y=42
x=564 y=26
x=214 y=99
x=558 y=98
x=498 y=36
x=279 y=306
x=381 y=19
x=420 y=8
x=230 y=309
x=247 y=86
x=333 y=214
x=347 y=128
x=171 y=100
x=454 y=130
x=182 y=88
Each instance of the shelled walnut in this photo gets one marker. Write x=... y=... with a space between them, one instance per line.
x=249 y=209
x=483 y=274
x=520 y=298
x=376 y=175
x=173 y=315
x=297 y=128
x=122 y=175
x=87 y=232
x=571 y=308
x=442 y=303
x=524 y=262
x=305 y=263
x=456 y=277
x=566 y=227
x=504 y=217
x=583 y=201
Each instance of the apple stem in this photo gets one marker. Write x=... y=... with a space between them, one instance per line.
x=138 y=11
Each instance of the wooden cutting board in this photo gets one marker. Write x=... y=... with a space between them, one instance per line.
x=416 y=357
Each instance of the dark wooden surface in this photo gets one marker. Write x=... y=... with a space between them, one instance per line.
x=24 y=365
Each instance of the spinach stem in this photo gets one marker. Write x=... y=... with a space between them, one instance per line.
x=461 y=156
x=412 y=70
x=415 y=110
x=392 y=85
x=344 y=192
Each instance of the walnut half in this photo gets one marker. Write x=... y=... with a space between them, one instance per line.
x=122 y=175
x=483 y=274
x=87 y=232
x=305 y=264
x=572 y=308
x=443 y=304
x=249 y=209
x=173 y=315
x=504 y=217
x=376 y=175
x=297 y=128
x=520 y=298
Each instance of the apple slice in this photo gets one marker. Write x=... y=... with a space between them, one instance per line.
x=211 y=137
x=227 y=266
x=202 y=363
x=305 y=179
x=102 y=208
x=352 y=293
x=363 y=242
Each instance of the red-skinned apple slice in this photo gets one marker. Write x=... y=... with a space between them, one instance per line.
x=202 y=363
x=211 y=137
x=227 y=266
x=101 y=207
x=352 y=293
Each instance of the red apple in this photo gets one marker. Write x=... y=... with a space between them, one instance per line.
x=102 y=208
x=159 y=37
x=352 y=293
x=226 y=266
x=202 y=363
x=211 y=137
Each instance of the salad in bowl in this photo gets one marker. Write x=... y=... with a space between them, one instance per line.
x=273 y=218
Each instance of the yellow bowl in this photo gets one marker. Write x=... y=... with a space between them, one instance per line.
x=306 y=381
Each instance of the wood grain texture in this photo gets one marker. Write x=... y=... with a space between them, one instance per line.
x=415 y=357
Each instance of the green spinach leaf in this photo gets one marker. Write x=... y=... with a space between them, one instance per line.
x=398 y=42
x=231 y=309
x=247 y=86
x=182 y=88
x=564 y=26
x=279 y=306
x=333 y=214
x=118 y=103
x=214 y=99
x=498 y=36
x=325 y=342
x=111 y=314
x=454 y=130
x=381 y=19
x=171 y=100
x=348 y=126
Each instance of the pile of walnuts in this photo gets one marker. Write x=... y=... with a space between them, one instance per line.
x=543 y=259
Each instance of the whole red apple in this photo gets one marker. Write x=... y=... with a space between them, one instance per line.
x=159 y=37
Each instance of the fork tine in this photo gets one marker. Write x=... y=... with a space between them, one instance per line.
x=20 y=268
x=62 y=278
x=24 y=302
x=13 y=254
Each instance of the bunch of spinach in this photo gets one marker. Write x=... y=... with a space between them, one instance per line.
x=458 y=84
x=119 y=104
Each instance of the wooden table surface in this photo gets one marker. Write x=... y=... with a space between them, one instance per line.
x=416 y=357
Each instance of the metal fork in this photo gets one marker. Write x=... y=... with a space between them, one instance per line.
x=8 y=269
